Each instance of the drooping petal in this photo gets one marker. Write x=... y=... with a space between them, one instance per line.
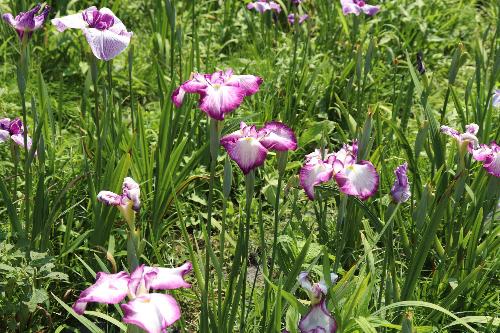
x=360 y=179
x=40 y=19
x=401 y=189
x=451 y=132
x=277 y=136
x=108 y=289
x=349 y=7
x=132 y=191
x=110 y=198
x=105 y=44
x=19 y=140
x=370 y=10
x=314 y=174
x=4 y=135
x=152 y=312
x=74 y=21
x=171 y=278
x=318 y=320
x=178 y=96
x=247 y=152
x=219 y=100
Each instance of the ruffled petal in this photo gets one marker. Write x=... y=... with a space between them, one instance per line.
x=152 y=312
x=105 y=44
x=219 y=100
x=197 y=84
x=171 y=278
x=110 y=198
x=314 y=174
x=359 y=179
x=247 y=152
x=277 y=136
x=108 y=289
x=318 y=320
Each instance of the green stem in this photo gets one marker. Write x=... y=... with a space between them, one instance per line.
x=338 y=237
x=94 y=73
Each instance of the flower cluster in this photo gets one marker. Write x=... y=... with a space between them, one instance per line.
x=264 y=5
x=358 y=6
x=359 y=179
x=27 y=22
x=152 y=312
x=14 y=130
x=248 y=147
x=220 y=93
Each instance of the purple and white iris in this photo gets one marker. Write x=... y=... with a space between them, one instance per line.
x=27 y=22
x=127 y=202
x=105 y=33
x=248 y=147
x=400 y=191
x=496 y=98
x=318 y=319
x=302 y=18
x=465 y=141
x=359 y=179
x=263 y=5
x=489 y=156
x=152 y=312
x=220 y=93
x=14 y=130
x=358 y=6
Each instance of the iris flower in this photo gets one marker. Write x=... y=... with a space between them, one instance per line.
x=318 y=319
x=27 y=22
x=152 y=312
x=496 y=98
x=14 y=130
x=401 y=189
x=248 y=147
x=105 y=33
x=127 y=202
x=358 y=6
x=359 y=179
x=220 y=93
x=263 y=5
x=302 y=18
x=489 y=156
x=465 y=141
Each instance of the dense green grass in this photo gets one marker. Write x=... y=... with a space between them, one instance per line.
x=430 y=264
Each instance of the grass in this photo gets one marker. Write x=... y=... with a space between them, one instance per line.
x=429 y=264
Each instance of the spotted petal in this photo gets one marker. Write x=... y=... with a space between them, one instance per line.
x=318 y=320
x=108 y=289
x=314 y=174
x=360 y=179
x=152 y=312
x=277 y=136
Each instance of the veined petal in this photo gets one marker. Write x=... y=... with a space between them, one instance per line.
x=244 y=131
x=249 y=83
x=360 y=179
x=472 y=128
x=108 y=289
x=152 y=312
x=219 y=100
x=318 y=320
x=277 y=136
x=314 y=174
x=450 y=131
x=105 y=44
x=110 y=198
x=197 y=84
x=247 y=152
x=4 y=135
x=74 y=21
x=171 y=278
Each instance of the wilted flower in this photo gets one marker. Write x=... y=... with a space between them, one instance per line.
x=496 y=98
x=248 y=147
x=14 y=130
x=318 y=319
x=359 y=179
x=105 y=33
x=302 y=18
x=489 y=156
x=220 y=93
x=467 y=140
x=27 y=22
x=128 y=202
x=263 y=5
x=401 y=189
x=358 y=6
x=152 y=312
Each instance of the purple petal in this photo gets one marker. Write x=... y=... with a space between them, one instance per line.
x=5 y=124
x=247 y=152
x=197 y=84
x=370 y=10
x=244 y=131
x=472 y=128
x=106 y=44
x=450 y=131
x=178 y=96
x=314 y=174
x=277 y=136
x=481 y=153
x=108 y=289
x=19 y=140
x=349 y=7
x=171 y=278
x=401 y=189
x=496 y=98
x=359 y=179
x=4 y=135
x=249 y=83
x=110 y=198
x=490 y=156
x=132 y=191
x=219 y=100
x=16 y=126
x=318 y=320
x=152 y=312
x=141 y=279
x=40 y=19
